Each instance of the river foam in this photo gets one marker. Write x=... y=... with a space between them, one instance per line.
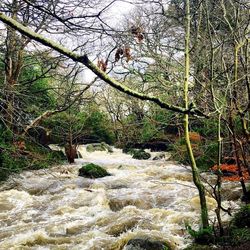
x=57 y=209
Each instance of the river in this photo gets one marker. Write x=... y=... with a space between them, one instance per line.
x=56 y=209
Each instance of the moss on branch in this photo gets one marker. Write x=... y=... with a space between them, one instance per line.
x=102 y=75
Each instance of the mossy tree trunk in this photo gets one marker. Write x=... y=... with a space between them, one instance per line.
x=196 y=176
x=219 y=181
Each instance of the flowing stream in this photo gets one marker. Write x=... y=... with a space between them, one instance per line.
x=56 y=209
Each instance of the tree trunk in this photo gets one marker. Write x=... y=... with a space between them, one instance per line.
x=195 y=171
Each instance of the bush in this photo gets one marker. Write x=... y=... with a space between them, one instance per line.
x=203 y=236
x=239 y=236
x=10 y=163
x=242 y=218
x=22 y=155
x=205 y=153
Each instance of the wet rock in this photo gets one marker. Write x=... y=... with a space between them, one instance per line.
x=117 y=186
x=93 y=171
x=79 y=155
x=122 y=225
x=76 y=229
x=231 y=195
x=141 y=155
x=146 y=244
x=117 y=204
x=99 y=147
x=129 y=150
x=154 y=146
x=159 y=157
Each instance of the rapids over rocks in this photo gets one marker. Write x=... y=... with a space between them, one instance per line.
x=56 y=209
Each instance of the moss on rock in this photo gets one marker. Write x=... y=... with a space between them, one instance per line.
x=93 y=171
x=141 y=155
x=99 y=147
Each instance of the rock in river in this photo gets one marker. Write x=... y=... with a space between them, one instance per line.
x=93 y=171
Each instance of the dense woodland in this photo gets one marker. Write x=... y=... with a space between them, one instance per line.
x=169 y=75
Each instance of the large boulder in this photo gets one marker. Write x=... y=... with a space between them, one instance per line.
x=154 y=146
x=93 y=171
x=141 y=155
x=129 y=150
x=146 y=244
x=99 y=147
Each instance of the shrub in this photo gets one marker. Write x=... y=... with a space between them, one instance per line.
x=242 y=218
x=205 y=153
x=203 y=236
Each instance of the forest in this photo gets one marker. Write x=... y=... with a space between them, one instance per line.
x=124 y=125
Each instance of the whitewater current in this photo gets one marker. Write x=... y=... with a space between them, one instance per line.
x=57 y=209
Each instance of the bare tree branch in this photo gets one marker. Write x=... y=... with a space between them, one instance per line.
x=102 y=75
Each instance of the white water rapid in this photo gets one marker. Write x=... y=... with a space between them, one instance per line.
x=58 y=210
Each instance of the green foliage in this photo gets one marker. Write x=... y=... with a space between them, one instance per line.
x=149 y=130
x=81 y=125
x=203 y=236
x=6 y=135
x=198 y=247
x=242 y=218
x=99 y=127
x=209 y=156
x=150 y=127
x=14 y=160
x=32 y=92
x=205 y=153
x=11 y=163
x=240 y=235
x=62 y=124
x=92 y=171
x=206 y=128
